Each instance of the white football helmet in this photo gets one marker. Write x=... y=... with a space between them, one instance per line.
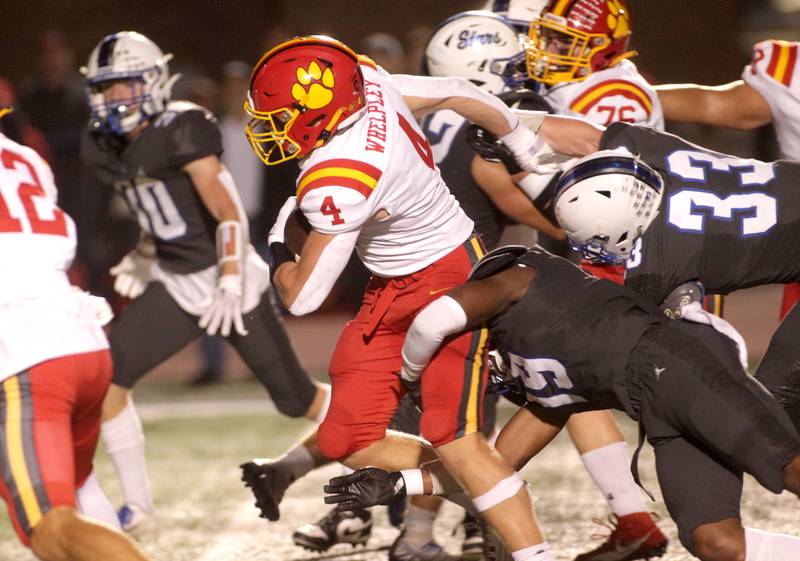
x=127 y=55
x=519 y=13
x=605 y=201
x=481 y=47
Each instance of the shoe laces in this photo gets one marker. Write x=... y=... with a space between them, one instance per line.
x=612 y=525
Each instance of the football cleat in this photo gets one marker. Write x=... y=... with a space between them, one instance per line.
x=137 y=522
x=402 y=550
x=335 y=527
x=633 y=536
x=268 y=480
x=493 y=547
x=472 y=546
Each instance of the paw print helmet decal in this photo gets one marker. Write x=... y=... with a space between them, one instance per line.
x=573 y=38
x=301 y=92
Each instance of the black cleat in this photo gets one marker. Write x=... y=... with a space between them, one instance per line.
x=335 y=527
x=269 y=482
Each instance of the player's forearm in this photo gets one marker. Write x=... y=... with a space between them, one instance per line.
x=735 y=105
x=425 y=95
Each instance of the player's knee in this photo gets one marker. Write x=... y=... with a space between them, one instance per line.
x=55 y=527
x=333 y=440
x=437 y=426
x=718 y=542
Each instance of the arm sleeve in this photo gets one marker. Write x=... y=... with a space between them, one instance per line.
x=441 y=88
x=193 y=135
x=330 y=265
x=440 y=319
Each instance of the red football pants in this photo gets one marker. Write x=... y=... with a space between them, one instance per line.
x=365 y=366
x=50 y=421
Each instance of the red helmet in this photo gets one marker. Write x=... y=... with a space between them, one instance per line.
x=301 y=92
x=573 y=38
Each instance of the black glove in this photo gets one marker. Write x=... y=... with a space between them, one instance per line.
x=365 y=488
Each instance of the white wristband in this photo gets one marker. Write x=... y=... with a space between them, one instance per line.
x=413 y=480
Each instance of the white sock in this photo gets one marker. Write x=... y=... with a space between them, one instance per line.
x=538 y=552
x=770 y=546
x=610 y=468
x=92 y=502
x=123 y=440
x=325 y=405
x=298 y=460
x=418 y=525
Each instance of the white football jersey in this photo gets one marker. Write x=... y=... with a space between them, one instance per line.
x=607 y=96
x=775 y=74
x=383 y=162
x=41 y=317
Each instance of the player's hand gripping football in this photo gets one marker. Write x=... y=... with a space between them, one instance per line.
x=132 y=273
x=225 y=308
x=365 y=488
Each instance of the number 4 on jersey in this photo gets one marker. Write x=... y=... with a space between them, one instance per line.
x=330 y=209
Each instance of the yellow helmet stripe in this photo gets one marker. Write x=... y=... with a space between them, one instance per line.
x=560 y=7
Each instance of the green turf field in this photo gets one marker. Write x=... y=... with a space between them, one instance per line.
x=207 y=515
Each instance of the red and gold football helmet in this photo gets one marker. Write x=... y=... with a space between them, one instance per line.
x=301 y=92
x=573 y=38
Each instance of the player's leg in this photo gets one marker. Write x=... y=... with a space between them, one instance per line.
x=606 y=457
x=452 y=386
x=36 y=412
x=709 y=422
x=779 y=370
x=151 y=329
x=269 y=353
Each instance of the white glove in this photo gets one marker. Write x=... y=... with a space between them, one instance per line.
x=695 y=313
x=276 y=232
x=224 y=308
x=101 y=309
x=132 y=274
x=532 y=153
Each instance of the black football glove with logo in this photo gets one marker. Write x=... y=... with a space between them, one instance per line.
x=365 y=488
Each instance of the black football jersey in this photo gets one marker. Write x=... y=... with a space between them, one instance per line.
x=446 y=132
x=728 y=222
x=147 y=173
x=570 y=336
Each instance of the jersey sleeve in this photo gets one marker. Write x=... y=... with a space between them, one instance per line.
x=334 y=194
x=193 y=134
x=772 y=66
x=616 y=100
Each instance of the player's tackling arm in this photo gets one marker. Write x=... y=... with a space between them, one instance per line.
x=465 y=307
x=736 y=105
x=567 y=135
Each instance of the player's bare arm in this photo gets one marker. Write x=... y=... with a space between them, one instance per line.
x=494 y=180
x=290 y=277
x=205 y=175
x=736 y=105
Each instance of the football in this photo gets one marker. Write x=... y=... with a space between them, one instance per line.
x=295 y=232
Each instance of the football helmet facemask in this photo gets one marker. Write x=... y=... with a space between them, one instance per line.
x=133 y=59
x=573 y=38
x=301 y=92
x=605 y=202
x=480 y=46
